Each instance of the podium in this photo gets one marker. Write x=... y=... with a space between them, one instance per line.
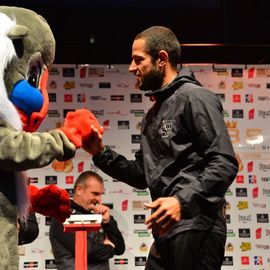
x=81 y=225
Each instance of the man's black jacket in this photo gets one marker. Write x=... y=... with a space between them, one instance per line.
x=185 y=152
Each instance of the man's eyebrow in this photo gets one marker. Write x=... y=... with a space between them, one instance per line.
x=96 y=192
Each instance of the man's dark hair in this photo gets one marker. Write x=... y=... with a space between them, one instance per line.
x=159 y=38
x=82 y=178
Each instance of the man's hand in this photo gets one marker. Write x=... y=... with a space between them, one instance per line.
x=94 y=144
x=104 y=211
x=78 y=126
x=167 y=213
x=107 y=241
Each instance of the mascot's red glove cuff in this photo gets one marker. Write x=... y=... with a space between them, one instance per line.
x=77 y=126
x=50 y=201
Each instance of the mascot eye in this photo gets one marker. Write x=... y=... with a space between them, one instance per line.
x=34 y=74
x=18 y=45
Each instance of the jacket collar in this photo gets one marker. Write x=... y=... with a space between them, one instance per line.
x=184 y=76
x=79 y=208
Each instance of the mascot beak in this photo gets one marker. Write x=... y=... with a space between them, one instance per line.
x=31 y=103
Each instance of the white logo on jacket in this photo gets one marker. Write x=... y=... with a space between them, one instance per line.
x=166 y=128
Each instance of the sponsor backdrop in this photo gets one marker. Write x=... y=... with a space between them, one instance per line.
x=108 y=91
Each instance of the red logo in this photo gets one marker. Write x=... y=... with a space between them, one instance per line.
x=106 y=124
x=240 y=179
x=255 y=192
x=68 y=98
x=236 y=98
x=244 y=260
x=250 y=166
x=80 y=166
x=124 y=205
x=259 y=233
x=251 y=114
x=69 y=179
x=251 y=73
x=82 y=72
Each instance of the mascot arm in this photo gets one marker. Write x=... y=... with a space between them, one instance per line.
x=24 y=150
x=77 y=126
x=50 y=201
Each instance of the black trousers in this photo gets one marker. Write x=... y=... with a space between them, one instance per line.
x=189 y=250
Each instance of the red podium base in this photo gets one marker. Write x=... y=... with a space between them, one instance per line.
x=81 y=242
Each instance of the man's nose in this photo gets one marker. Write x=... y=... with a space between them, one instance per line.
x=98 y=198
x=132 y=67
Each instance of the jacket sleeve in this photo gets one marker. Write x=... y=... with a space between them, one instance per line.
x=204 y=120
x=28 y=232
x=117 y=166
x=97 y=251
x=21 y=150
x=113 y=233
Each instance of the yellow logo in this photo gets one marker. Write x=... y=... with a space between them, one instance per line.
x=242 y=205
x=69 y=85
x=245 y=246
x=237 y=85
x=231 y=124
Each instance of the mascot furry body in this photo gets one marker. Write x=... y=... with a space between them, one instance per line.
x=27 y=48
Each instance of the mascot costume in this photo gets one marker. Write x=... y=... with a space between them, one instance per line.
x=27 y=49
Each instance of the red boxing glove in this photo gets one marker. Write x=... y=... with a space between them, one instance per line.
x=77 y=126
x=50 y=201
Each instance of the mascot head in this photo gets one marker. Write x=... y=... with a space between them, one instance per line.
x=27 y=48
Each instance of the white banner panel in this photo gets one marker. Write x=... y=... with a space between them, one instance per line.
x=108 y=91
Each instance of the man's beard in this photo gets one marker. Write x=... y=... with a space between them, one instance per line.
x=151 y=81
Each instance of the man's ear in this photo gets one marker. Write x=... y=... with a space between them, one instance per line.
x=163 y=58
x=79 y=190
